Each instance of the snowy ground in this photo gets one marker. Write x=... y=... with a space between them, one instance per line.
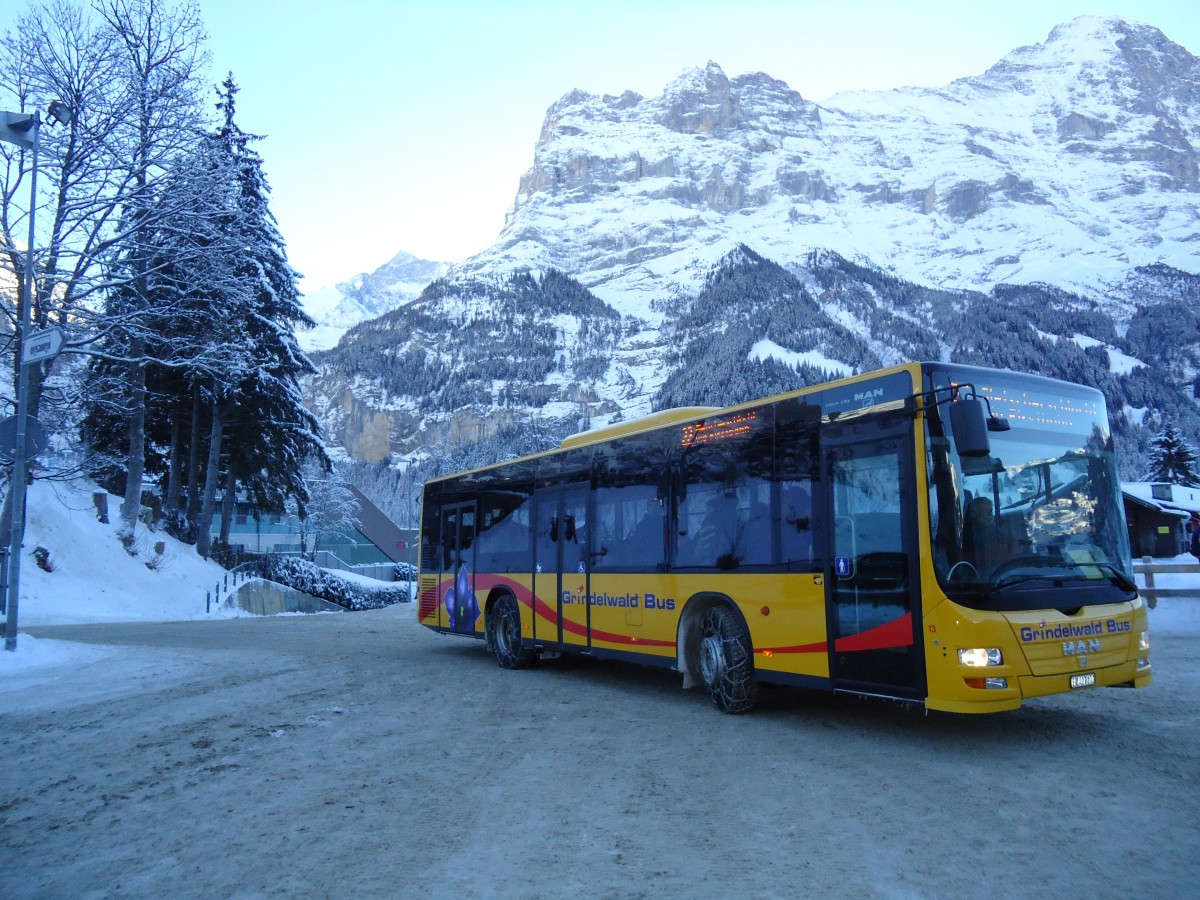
x=357 y=754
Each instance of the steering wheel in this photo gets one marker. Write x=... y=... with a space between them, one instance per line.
x=962 y=571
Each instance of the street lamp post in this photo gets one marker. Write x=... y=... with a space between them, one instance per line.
x=22 y=130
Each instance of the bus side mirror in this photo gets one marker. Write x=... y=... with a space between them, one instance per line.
x=970 y=426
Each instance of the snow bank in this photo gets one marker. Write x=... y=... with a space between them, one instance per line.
x=93 y=578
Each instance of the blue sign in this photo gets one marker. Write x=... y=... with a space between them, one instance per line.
x=841 y=565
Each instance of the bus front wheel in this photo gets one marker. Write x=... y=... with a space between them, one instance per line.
x=727 y=661
x=504 y=634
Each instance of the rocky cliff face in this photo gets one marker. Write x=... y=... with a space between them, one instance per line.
x=1066 y=162
x=1055 y=194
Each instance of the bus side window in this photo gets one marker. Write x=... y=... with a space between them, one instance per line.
x=711 y=526
x=796 y=523
x=504 y=541
x=754 y=508
x=795 y=459
x=630 y=514
x=629 y=527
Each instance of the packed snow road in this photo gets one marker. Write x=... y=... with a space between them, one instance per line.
x=359 y=755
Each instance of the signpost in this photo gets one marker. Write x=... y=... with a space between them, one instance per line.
x=40 y=345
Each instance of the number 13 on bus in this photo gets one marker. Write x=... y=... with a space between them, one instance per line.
x=940 y=534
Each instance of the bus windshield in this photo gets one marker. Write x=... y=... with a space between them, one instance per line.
x=1037 y=523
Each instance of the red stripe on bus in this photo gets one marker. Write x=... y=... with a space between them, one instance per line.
x=543 y=609
x=896 y=633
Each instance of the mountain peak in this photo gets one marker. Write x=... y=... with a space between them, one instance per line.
x=1094 y=47
x=697 y=79
x=1102 y=31
x=700 y=101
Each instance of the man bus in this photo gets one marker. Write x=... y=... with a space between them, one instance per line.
x=933 y=533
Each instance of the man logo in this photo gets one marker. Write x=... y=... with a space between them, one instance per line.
x=868 y=398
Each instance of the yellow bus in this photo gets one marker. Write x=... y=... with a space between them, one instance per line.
x=932 y=533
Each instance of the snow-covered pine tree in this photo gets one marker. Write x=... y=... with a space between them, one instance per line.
x=1172 y=459
x=184 y=313
x=217 y=308
x=270 y=432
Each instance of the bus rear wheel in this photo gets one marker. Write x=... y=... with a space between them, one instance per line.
x=727 y=661
x=504 y=634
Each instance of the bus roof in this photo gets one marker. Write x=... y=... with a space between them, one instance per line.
x=683 y=414
x=633 y=426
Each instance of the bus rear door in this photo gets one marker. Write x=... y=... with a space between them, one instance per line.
x=458 y=534
x=561 y=579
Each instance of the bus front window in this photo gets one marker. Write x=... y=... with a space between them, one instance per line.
x=1038 y=523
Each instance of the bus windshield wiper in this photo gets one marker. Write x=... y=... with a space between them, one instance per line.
x=1115 y=575
x=1024 y=569
x=1010 y=581
x=1111 y=572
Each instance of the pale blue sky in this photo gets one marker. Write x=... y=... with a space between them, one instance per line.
x=406 y=125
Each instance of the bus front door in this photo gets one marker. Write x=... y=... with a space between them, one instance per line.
x=561 y=578
x=872 y=594
x=458 y=533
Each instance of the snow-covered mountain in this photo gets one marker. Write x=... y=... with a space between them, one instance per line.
x=1055 y=193
x=1066 y=162
x=366 y=296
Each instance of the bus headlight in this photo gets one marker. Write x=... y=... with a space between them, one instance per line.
x=977 y=657
x=1144 y=642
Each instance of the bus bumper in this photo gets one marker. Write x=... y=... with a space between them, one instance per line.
x=985 y=701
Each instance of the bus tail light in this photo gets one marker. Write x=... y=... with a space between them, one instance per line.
x=977 y=657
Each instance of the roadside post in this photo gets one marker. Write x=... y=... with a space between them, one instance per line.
x=20 y=129
x=23 y=129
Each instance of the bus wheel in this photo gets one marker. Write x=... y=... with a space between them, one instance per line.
x=504 y=634
x=727 y=661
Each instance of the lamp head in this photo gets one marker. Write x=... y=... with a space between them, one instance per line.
x=58 y=113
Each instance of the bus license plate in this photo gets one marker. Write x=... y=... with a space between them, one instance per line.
x=1087 y=679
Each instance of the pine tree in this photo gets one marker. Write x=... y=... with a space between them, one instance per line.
x=270 y=432
x=184 y=317
x=1172 y=459
x=215 y=331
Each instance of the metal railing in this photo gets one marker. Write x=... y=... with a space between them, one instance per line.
x=1149 y=568
x=238 y=573
x=327 y=559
